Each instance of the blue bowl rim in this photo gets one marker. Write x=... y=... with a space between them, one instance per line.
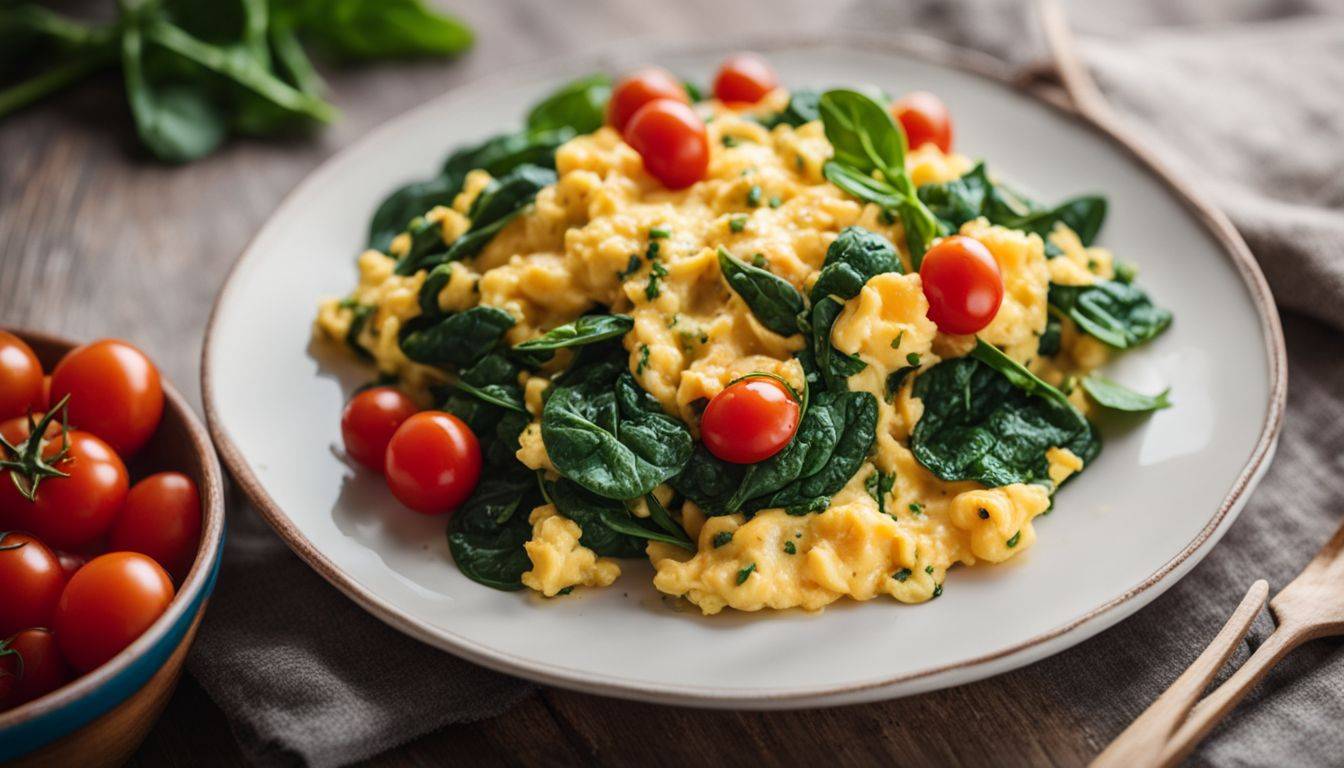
x=44 y=720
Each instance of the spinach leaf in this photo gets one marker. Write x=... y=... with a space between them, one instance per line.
x=459 y=339
x=486 y=535
x=1084 y=215
x=772 y=299
x=812 y=493
x=980 y=423
x=834 y=366
x=589 y=329
x=879 y=485
x=579 y=106
x=1119 y=314
x=487 y=397
x=497 y=156
x=805 y=455
x=854 y=258
x=176 y=123
x=608 y=527
x=708 y=481
x=869 y=163
x=1118 y=397
x=1051 y=338
x=802 y=108
x=374 y=29
x=497 y=205
x=960 y=200
x=606 y=434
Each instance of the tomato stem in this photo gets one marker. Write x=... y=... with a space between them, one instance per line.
x=25 y=461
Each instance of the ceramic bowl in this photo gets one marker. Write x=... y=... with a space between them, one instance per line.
x=99 y=719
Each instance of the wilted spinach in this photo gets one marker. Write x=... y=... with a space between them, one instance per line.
x=579 y=106
x=486 y=535
x=606 y=434
x=1118 y=397
x=988 y=419
x=589 y=329
x=772 y=299
x=459 y=339
x=974 y=195
x=802 y=108
x=855 y=257
x=609 y=529
x=1119 y=314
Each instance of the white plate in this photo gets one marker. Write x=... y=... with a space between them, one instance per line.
x=1158 y=499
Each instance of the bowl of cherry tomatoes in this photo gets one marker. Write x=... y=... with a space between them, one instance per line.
x=111 y=529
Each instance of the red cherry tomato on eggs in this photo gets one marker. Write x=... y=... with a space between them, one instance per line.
x=925 y=119
x=744 y=78
x=639 y=88
x=672 y=140
x=108 y=604
x=750 y=420
x=20 y=377
x=74 y=511
x=162 y=519
x=962 y=283
x=369 y=420
x=31 y=580
x=115 y=393
x=433 y=462
x=30 y=667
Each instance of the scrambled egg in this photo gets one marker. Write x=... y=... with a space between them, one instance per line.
x=692 y=336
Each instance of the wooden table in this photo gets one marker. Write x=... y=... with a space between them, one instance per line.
x=97 y=240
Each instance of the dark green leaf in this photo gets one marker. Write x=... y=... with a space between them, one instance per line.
x=460 y=339
x=802 y=108
x=773 y=300
x=376 y=29
x=1118 y=397
x=176 y=123
x=589 y=329
x=486 y=535
x=1119 y=314
x=854 y=257
x=579 y=106
x=1084 y=215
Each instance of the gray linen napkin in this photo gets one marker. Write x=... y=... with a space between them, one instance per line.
x=1244 y=98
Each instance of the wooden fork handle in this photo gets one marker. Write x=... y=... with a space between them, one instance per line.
x=1146 y=740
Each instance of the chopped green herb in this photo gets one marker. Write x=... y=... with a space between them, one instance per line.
x=789 y=548
x=744 y=573
x=652 y=252
x=565 y=591
x=643 y=359
x=775 y=201
x=656 y=273
x=937 y=591
x=1013 y=541
x=729 y=141
x=798 y=535
x=758 y=260
x=916 y=508
x=630 y=268
x=928 y=569
x=1125 y=272
x=913 y=358
x=984 y=513
x=1091 y=265
x=798 y=162
x=901 y=575
x=659 y=233
x=888 y=217
x=896 y=342
x=721 y=538
x=737 y=223
x=754 y=195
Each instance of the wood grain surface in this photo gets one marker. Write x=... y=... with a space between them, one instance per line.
x=98 y=240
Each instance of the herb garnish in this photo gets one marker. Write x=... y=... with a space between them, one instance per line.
x=744 y=573
x=789 y=548
x=721 y=538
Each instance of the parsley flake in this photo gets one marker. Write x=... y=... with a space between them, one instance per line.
x=758 y=260
x=744 y=573
x=913 y=359
x=754 y=195
x=901 y=575
x=721 y=538
x=737 y=223
x=775 y=201
x=1013 y=541
x=916 y=508
x=896 y=342
x=630 y=268
x=730 y=141
x=937 y=591
x=659 y=233
x=656 y=273
x=928 y=569
x=643 y=359
x=790 y=548
x=984 y=513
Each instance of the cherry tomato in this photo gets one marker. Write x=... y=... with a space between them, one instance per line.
x=745 y=78
x=15 y=430
x=30 y=667
x=115 y=393
x=369 y=420
x=433 y=462
x=925 y=119
x=44 y=402
x=71 y=562
x=750 y=420
x=672 y=140
x=69 y=512
x=162 y=519
x=31 y=580
x=107 y=605
x=639 y=88
x=20 y=377
x=962 y=283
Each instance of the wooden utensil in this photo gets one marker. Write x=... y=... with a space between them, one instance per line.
x=1310 y=607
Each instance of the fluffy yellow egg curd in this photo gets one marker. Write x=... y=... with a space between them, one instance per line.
x=766 y=201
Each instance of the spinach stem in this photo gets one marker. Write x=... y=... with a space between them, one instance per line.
x=58 y=78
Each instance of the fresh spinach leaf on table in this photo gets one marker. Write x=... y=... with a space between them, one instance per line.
x=772 y=299
x=374 y=29
x=1118 y=397
x=606 y=434
x=1119 y=314
x=459 y=339
x=988 y=419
